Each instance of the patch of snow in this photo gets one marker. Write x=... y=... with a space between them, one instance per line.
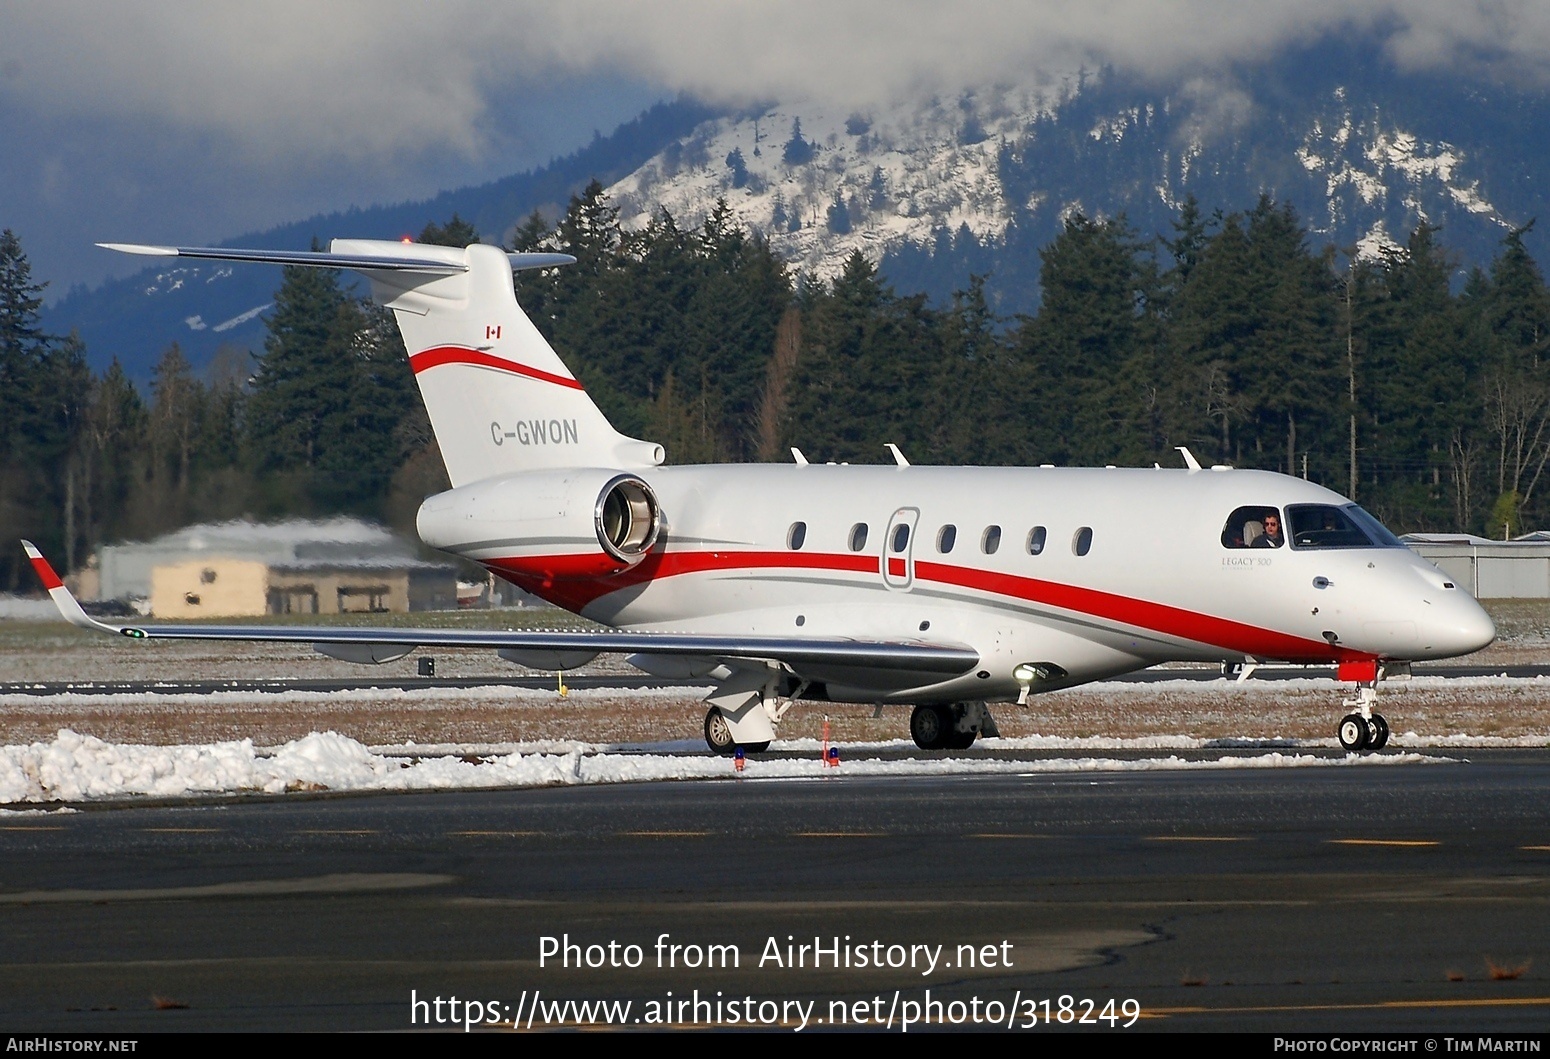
x=1372 y=160
x=241 y=318
x=392 y=696
x=1377 y=244
x=75 y=767
x=195 y=322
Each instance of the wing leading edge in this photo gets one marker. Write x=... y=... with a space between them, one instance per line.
x=414 y=259
x=930 y=660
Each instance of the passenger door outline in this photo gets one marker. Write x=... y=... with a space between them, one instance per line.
x=899 y=566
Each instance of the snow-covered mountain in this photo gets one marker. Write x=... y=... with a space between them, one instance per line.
x=937 y=189
x=820 y=183
x=934 y=189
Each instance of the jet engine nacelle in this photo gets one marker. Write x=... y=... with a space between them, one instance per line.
x=591 y=522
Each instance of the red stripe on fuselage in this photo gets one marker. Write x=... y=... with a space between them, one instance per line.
x=1140 y=613
x=439 y=355
x=573 y=582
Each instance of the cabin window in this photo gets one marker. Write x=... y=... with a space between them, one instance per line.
x=796 y=536
x=1036 y=538
x=901 y=537
x=1254 y=527
x=1327 y=526
x=1082 y=541
x=946 y=537
x=990 y=540
x=858 y=536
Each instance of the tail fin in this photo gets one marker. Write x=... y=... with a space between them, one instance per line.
x=500 y=399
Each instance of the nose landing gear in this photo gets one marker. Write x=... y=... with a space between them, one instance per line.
x=1363 y=730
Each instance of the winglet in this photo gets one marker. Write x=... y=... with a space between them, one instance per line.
x=69 y=609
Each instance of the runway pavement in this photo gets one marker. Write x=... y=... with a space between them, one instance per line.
x=1397 y=897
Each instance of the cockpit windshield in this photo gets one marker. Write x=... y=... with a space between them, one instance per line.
x=1327 y=526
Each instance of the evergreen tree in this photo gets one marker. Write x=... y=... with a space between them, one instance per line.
x=1085 y=343
x=838 y=216
x=456 y=232
x=738 y=166
x=44 y=388
x=797 y=150
x=325 y=401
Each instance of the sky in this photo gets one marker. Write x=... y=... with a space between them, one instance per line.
x=183 y=122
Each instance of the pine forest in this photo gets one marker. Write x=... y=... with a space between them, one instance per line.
x=1421 y=391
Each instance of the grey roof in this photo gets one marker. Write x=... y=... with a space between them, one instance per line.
x=294 y=544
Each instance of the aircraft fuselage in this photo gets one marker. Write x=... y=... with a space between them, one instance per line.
x=1086 y=572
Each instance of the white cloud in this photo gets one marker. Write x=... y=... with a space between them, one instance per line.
x=287 y=79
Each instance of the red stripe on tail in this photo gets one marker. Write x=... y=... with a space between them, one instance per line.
x=439 y=355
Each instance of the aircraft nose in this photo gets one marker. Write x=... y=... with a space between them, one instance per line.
x=1466 y=627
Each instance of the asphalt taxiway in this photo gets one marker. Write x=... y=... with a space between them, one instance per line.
x=1395 y=897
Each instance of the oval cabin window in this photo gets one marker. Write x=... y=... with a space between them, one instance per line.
x=1036 y=538
x=901 y=537
x=990 y=543
x=946 y=537
x=1082 y=543
x=796 y=535
x=858 y=536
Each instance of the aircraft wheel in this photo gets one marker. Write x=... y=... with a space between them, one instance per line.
x=1379 y=736
x=756 y=748
x=960 y=740
x=930 y=727
x=718 y=734
x=1353 y=733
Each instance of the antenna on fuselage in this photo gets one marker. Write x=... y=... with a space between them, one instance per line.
x=1189 y=458
x=796 y=454
x=898 y=457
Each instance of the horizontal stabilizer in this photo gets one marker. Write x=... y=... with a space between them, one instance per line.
x=416 y=257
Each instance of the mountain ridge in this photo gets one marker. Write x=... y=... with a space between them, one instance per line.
x=937 y=190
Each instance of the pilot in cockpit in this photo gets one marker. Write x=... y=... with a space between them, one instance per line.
x=1271 y=538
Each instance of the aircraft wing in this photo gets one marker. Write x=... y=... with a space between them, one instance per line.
x=930 y=660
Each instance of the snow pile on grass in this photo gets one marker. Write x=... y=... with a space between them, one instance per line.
x=77 y=767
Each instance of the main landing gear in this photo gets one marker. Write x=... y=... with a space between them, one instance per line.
x=950 y=727
x=718 y=735
x=1363 y=730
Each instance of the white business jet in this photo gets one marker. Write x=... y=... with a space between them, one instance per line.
x=948 y=589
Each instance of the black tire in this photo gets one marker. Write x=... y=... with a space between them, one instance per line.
x=930 y=727
x=960 y=740
x=718 y=734
x=1353 y=733
x=1379 y=737
x=756 y=748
